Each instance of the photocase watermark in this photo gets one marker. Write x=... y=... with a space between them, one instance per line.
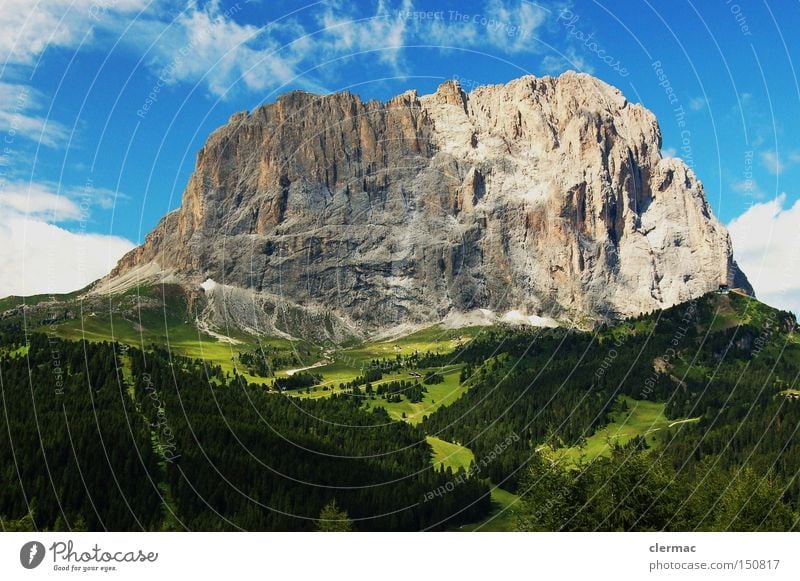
x=8 y=150
x=31 y=554
x=748 y=185
x=166 y=436
x=468 y=85
x=612 y=353
x=85 y=214
x=475 y=468
x=94 y=559
x=56 y=365
x=101 y=8
x=168 y=72
x=678 y=111
x=493 y=25
x=671 y=353
x=569 y=21
x=739 y=17
x=763 y=338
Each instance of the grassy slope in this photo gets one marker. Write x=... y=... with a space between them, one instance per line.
x=172 y=326
x=642 y=418
x=448 y=454
x=501 y=519
x=181 y=338
x=438 y=395
x=349 y=363
x=15 y=301
x=729 y=311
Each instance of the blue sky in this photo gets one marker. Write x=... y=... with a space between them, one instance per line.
x=104 y=103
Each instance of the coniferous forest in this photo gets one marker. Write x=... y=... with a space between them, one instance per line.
x=107 y=436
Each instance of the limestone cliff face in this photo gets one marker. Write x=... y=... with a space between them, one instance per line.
x=544 y=195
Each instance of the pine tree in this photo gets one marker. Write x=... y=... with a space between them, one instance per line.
x=332 y=519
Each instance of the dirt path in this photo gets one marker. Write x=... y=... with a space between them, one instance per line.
x=675 y=423
x=322 y=363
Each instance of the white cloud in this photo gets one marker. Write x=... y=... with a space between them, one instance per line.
x=47 y=201
x=504 y=26
x=772 y=162
x=554 y=64
x=385 y=32
x=19 y=107
x=205 y=44
x=511 y=26
x=748 y=187
x=38 y=256
x=669 y=152
x=39 y=203
x=766 y=242
x=697 y=103
x=208 y=46
x=29 y=27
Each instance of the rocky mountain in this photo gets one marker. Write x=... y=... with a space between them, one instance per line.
x=548 y=197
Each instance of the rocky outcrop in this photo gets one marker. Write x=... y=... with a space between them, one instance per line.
x=547 y=196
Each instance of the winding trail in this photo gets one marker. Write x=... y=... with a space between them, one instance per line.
x=321 y=363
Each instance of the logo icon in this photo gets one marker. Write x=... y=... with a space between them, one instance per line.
x=31 y=554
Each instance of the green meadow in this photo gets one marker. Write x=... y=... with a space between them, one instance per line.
x=179 y=336
x=503 y=516
x=449 y=455
x=641 y=418
x=438 y=395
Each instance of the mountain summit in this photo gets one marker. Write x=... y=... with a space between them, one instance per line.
x=543 y=196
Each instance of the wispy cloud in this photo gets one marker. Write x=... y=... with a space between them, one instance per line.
x=508 y=27
x=19 y=116
x=38 y=202
x=748 y=187
x=571 y=59
x=47 y=201
x=198 y=41
x=772 y=162
x=697 y=103
x=385 y=32
x=28 y=28
x=204 y=44
x=208 y=46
